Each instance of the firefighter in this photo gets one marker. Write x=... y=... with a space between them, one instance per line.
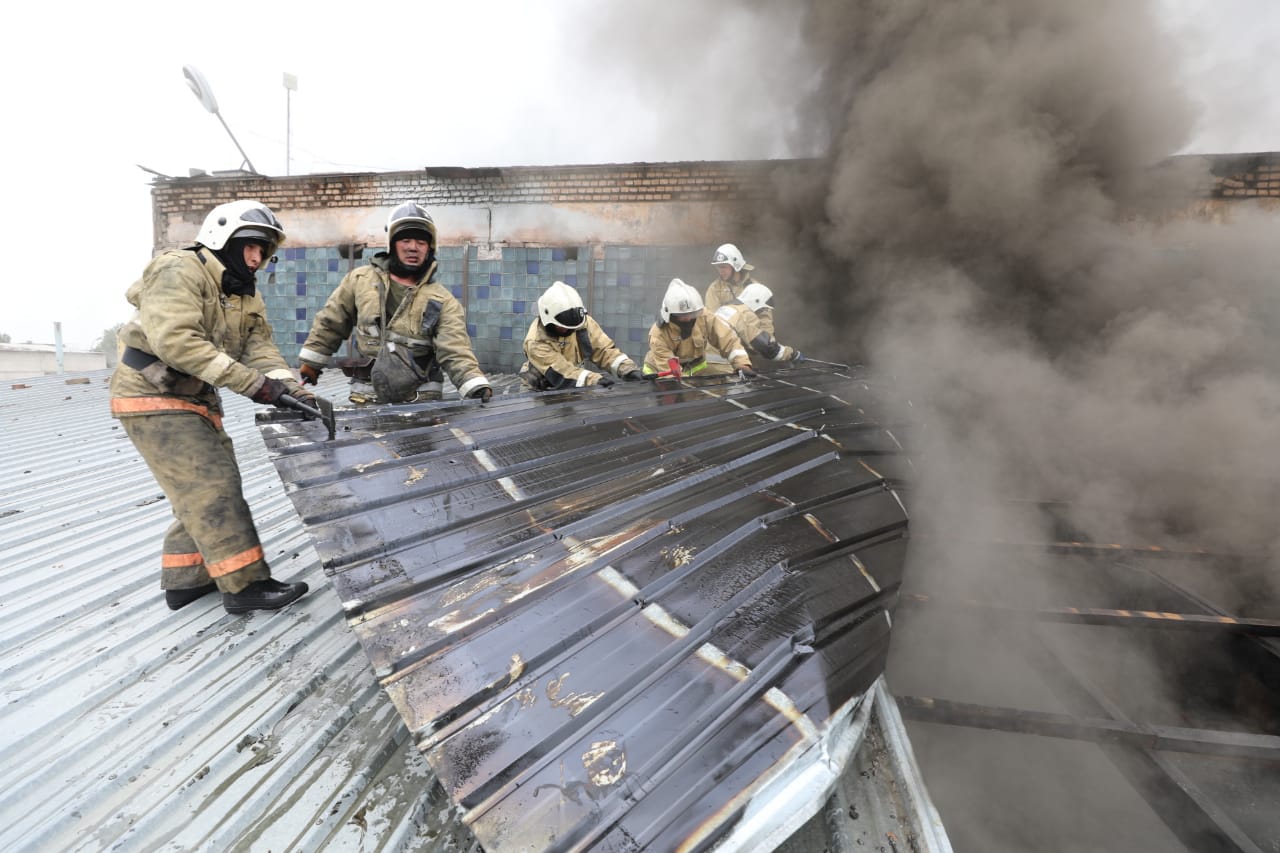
x=733 y=274
x=564 y=339
x=679 y=343
x=743 y=314
x=199 y=326
x=407 y=325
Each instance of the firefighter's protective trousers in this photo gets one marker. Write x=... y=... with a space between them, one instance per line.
x=212 y=536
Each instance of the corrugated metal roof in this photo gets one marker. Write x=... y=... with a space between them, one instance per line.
x=635 y=618
x=124 y=725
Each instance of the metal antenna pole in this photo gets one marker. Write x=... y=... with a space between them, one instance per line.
x=247 y=161
x=200 y=87
x=290 y=86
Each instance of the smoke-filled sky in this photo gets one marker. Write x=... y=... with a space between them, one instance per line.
x=93 y=92
x=988 y=158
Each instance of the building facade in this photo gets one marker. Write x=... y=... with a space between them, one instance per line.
x=617 y=232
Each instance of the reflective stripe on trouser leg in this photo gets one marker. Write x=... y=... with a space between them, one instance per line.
x=195 y=466
x=181 y=565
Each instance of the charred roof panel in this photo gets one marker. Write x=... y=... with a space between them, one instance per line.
x=612 y=617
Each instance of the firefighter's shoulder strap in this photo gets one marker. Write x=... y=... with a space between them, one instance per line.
x=584 y=344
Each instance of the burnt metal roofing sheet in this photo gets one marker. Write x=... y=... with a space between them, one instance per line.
x=618 y=618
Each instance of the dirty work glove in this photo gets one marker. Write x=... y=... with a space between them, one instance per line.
x=310 y=375
x=747 y=373
x=484 y=392
x=604 y=381
x=633 y=376
x=302 y=395
x=798 y=357
x=270 y=391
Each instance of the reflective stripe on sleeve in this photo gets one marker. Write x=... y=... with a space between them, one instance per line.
x=613 y=365
x=471 y=384
x=214 y=369
x=313 y=357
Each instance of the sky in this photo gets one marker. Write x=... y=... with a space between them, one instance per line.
x=485 y=83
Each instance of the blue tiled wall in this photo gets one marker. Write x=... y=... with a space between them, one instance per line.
x=622 y=290
x=295 y=287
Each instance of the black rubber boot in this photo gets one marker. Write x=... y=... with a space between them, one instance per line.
x=269 y=594
x=180 y=598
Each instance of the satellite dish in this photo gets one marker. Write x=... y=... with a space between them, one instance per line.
x=199 y=85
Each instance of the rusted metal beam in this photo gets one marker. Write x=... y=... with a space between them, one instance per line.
x=927 y=709
x=1124 y=618
x=1264 y=652
x=1094 y=549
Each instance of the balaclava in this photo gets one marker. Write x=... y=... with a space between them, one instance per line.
x=416 y=272
x=238 y=279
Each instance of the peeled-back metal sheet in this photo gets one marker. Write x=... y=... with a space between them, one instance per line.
x=610 y=616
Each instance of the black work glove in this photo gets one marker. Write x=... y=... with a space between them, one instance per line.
x=302 y=395
x=633 y=375
x=310 y=375
x=747 y=373
x=484 y=392
x=270 y=391
x=798 y=357
x=604 y=381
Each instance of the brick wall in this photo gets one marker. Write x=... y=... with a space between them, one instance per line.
x=588 y=197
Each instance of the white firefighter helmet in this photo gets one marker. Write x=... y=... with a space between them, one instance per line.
x=755 y=296
x=561 y=305
x=729 y=254
x=410 y=215
x=680 y=299
x=241 y=219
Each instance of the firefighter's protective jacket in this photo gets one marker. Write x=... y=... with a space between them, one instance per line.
x=203 y=338
x=429 y=321
x=554 y=362
x=666 y=342
x=721 y=292
x=752 y=333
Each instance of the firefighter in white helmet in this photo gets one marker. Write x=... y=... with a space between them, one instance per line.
x=200 y=326
x=564 y=339
x=679 y=342
x=407 y=325
x=733 y=273
x=743 y=314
